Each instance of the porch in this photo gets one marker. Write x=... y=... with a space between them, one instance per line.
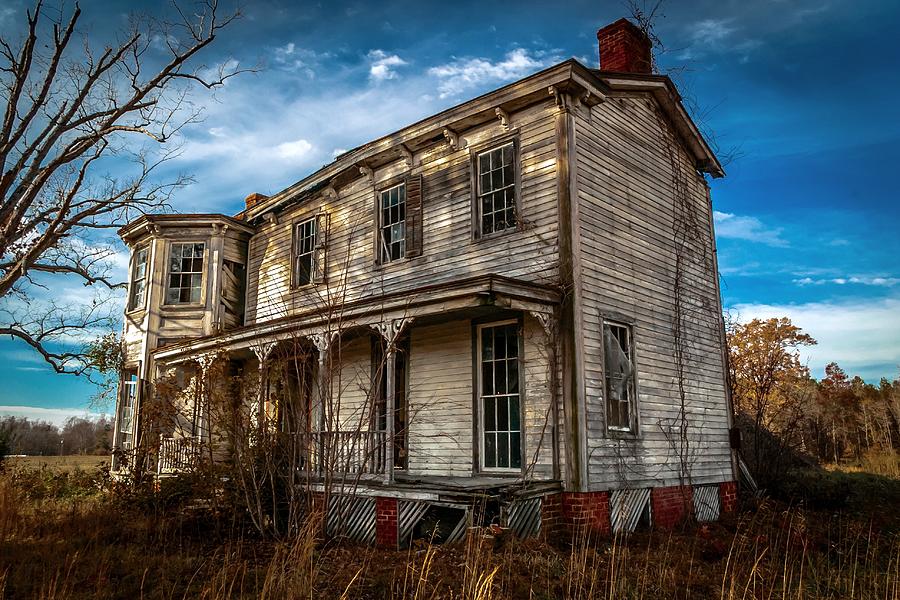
x=453 y=396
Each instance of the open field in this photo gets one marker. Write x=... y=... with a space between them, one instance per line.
x=72 y=534
x=59 y=463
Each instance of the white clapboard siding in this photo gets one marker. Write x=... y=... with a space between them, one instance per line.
x=440 y=400
x=538 y=423
x=626 y=205
x=351 y=385
x=448 y=251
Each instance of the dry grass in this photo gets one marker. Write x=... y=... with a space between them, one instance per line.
x=886 y=464
x=68 y=536
x=59 y=463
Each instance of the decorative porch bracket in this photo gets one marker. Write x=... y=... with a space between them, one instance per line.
x=391 y=332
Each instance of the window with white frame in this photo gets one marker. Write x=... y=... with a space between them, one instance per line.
x=392 y=223
x=126 y=409
x=499 y=398
x=306 y=234
x=618 y=353
x=138 y=278
x=185 y=273
x=496 y=191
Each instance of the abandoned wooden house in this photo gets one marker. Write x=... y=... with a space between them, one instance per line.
x=515 y=301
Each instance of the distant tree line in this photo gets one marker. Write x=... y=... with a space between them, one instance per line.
x=20 y=435
x=787 y=417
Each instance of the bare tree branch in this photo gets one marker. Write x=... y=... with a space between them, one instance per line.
x=69 y=109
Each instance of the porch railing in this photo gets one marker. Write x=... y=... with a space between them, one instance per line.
x=177 y=454
x=340 y=452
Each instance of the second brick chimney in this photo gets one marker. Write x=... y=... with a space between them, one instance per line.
x=624 y=48
x=253 y=199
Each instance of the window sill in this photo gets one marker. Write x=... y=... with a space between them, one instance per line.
x=500 y=472
x=184 y=306
x=406 y=260
x=496 y=235
x=136 y=312
x=621 y=434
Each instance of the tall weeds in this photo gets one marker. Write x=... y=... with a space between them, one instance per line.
x=60 y=542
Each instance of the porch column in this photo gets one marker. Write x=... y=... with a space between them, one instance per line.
x=391 y=332
x=205 y=361
x=323 y=342
x=259 y=416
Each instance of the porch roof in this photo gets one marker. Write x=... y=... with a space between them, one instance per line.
x=484 y=291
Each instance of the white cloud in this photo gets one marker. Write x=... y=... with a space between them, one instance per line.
x=854 y=280
x=711 y=31
x=57 y=416
x=294 y=59
x=463 y=74
x=717 y=35
x=382 y=65
x=295 y=150
x=746 y=228
x=862 y=336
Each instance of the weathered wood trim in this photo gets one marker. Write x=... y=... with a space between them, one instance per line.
x=482 y=289
x=571 y=320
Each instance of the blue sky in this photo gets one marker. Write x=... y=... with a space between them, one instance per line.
x=803 y=93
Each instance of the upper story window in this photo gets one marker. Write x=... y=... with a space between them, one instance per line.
x=618 y=354
x=185 y=273
x=392 y=223
x=496 y=189
x=138 y=278
x=310 y=242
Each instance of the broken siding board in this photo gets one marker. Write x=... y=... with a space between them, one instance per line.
x=626 y=228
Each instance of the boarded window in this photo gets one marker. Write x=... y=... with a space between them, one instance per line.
x=619 y=371
x=498 y=349
x=138 y=279
x=185 y=273
x=496 y=189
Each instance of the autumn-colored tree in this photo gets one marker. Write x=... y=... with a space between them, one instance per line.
x=770 y=385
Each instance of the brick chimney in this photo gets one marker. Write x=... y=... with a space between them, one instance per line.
x=253 y=199
x=624 y=48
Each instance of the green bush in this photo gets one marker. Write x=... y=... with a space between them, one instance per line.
x=865 y=494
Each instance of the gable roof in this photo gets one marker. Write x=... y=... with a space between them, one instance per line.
x=591 y=84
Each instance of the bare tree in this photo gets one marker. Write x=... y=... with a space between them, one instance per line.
x=72 y=110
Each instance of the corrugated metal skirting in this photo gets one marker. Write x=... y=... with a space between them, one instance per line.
x=523 y=517
x=707 y=505
x=626 y=508
x=353 y=518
